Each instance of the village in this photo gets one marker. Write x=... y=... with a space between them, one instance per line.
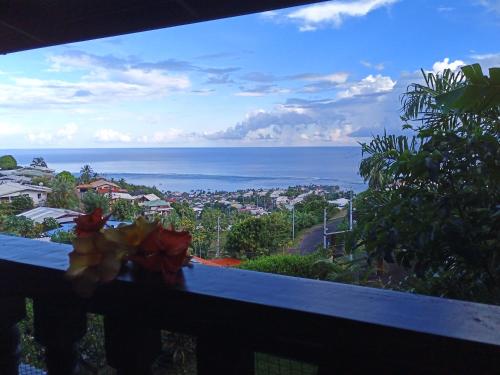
x=59 y=198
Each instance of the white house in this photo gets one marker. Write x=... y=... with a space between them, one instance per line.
x=10 y=190
x=341 y=202
x=61 y=215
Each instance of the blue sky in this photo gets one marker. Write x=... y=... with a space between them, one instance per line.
x=329 y=74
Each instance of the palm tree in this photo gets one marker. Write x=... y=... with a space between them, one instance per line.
x=87 y=174
x=63 y=194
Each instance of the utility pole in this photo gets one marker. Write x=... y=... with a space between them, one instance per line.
x=218 y=237
x=324 y=229
x=350 y=212
x=293 y=222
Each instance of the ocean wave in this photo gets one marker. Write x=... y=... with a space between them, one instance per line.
x=234 y=178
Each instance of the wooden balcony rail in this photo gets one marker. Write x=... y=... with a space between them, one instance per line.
x=234 y=313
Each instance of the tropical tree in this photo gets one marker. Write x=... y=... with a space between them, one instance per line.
x=87 y=174
x=68 y=176
x=125 y=210
x=92 y=200
x=63 y=194
x=21 y=203
x=38 y=162
x=257 y=236
x=50 y=223
x=432 y=205
x=8 y=162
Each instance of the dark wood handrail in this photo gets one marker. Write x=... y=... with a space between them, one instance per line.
x=299 y=318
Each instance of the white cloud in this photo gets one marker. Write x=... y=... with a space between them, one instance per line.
x=40 y=137
x=370 y=65
x=110 y=135
x=491 y=5
x=368 y=85
x=68 y=131
x=330 y=78
x=9 y=129
x=439 y=66
x=487 y=60
x=334 y=12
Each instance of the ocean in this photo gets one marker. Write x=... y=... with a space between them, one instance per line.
x=228 y=169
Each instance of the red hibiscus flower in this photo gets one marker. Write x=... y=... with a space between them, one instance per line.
x=164 y=250
x=86 y=225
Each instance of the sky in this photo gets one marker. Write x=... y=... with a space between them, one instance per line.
x=327 y=74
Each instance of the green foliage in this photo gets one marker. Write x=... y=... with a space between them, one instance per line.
x=67 y=176
x=63 y=193
x=7 y=162
x=125 y=210
x=349 y=269
x=5 y=209
x=92 y=200
x=21 y=203
x=38 y=162
x=21 y=226
x=435 y=210
x=138 y=189
x=31 y=352
x=49 y=223
x=87 y=174
x=184 y=211
x=62 y=236
x=288 y=264
x=256 y=236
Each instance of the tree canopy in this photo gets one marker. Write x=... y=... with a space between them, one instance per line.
x=7 y=162
x=433 y=198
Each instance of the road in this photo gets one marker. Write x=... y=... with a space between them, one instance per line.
x=314 y=236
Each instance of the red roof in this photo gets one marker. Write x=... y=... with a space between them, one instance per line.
x=219 y=262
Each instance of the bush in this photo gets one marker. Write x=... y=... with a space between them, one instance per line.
x=289 y=264
x=8 y=162
x=62 y=236
x=21 y=226
x=21 y=203
x=50 y=223
x=92 y=200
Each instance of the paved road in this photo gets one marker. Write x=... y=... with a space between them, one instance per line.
x=314 y=238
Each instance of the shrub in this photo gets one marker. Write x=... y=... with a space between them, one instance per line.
x=62 y=236
x=8 y=162
x=21 y=226
x=288 y=264
x=50 y=223
x=21 y=203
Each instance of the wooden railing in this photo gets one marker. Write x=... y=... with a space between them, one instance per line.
x=344 y=329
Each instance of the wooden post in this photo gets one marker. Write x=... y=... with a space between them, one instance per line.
x=60 y=322
x=131 y=345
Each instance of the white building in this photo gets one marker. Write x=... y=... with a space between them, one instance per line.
x=10 y=190
x=341 y=202
x=61 y=215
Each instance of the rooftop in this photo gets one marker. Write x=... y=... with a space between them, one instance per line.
x=40 y=213
x=13 y=188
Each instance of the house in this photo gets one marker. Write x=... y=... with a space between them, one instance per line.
x=35 y=172
x=282 y=201
x=114 y=196
x=100 y=186
x=157 y=207
x=146 y=198
x=10 y=190
x=39 y=214
x=341 y=202
x=14 y=178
